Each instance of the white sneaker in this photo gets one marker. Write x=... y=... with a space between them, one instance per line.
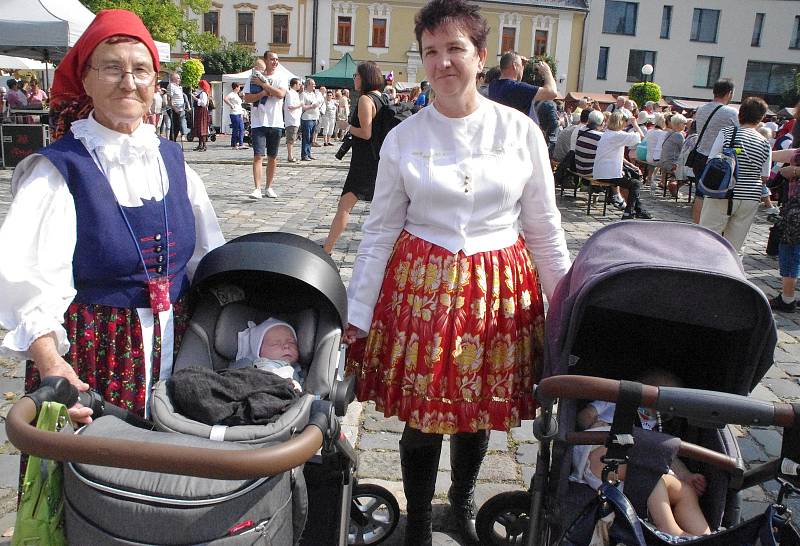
x=256 y=194
x=271 y=193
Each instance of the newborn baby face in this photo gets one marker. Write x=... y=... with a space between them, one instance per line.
x=279 y=343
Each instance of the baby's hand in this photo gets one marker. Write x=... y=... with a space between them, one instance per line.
x=696 y=482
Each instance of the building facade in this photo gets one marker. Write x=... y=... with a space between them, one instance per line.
x=691 y=44
x=312 y=35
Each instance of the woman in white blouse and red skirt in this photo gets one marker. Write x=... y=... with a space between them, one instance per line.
x=106 y=226
x=444 y=287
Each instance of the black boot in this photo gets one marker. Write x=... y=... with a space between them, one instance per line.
x=419 y=461
x=467 y=450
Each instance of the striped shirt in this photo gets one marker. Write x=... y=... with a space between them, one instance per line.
x=585 y=150
x=752 y=162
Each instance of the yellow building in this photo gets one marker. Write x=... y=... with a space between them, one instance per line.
x=384 y=32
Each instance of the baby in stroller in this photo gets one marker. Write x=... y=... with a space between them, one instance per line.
x=673 y=505
x=271 y=346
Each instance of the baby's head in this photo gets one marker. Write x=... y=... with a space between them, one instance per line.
x=280 y=343
x=260 y=65
x=659 y=377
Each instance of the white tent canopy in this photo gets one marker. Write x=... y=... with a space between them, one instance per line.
x=22 y=63
x=46 y=29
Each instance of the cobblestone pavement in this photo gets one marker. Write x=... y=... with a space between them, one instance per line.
x=306 y=204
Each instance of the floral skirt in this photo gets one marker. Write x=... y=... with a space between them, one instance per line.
x=456 y=341
x=107 y=351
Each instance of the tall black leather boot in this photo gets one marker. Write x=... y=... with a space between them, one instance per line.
x=467 y=450
x=419 y=461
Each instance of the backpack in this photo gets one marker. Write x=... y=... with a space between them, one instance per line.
x=387 y=118
x=719 y=177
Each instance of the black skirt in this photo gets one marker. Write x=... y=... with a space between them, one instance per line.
x=363 y=170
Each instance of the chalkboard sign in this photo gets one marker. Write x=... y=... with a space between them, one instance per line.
x=20 y=141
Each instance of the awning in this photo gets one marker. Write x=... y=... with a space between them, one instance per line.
x=339 y=75
x=602 y=98
x=23 y=63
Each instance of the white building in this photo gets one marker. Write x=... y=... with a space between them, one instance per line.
x=691 y=44
x=283 y=26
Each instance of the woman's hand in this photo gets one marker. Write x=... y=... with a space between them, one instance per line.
x=350 y=334
x=696 y=482
x=49 y=363
x=790 y=172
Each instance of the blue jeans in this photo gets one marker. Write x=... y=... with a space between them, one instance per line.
x=306 y=133
x=237 y=126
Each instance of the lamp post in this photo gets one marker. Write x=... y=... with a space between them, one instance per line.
x=322 y=64
x=647 y=71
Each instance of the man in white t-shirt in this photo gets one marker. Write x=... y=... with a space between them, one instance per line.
x=312 y=101
x=292 y=108
x=177 y=107
x=266 y=123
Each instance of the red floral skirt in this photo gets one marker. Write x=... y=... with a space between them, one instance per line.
x=456 y=341
x=107 y=352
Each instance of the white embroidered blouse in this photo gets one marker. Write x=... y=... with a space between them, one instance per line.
x=38 y=236
x=464 y=184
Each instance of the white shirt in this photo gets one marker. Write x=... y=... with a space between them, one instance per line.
x=269 y=114
x=176 y=96
x=573 y=139
x=330 y=109
x=38 y=236
x=464 y=184
x=202 y=99
x=308 y=98
x=655 y=139
x=155 y=106
x=292 y=114
x=611 y=152
x=234 y=103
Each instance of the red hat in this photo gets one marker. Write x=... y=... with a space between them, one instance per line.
x=68 y=79
x=205 y=86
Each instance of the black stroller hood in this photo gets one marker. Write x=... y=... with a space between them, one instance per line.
x=665 y=294
x=276 y=266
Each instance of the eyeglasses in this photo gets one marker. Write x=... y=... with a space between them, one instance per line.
x=112 y=73
x=355 y=74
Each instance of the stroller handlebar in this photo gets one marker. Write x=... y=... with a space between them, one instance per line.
x=708 y=407
x=159 y=457
x=687 y=449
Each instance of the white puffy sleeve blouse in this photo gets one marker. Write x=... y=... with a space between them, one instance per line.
x=38 y=236
x=470 y=184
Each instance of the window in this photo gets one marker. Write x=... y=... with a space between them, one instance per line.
x=540 y=43
x=344 y=26
x=244 y=23
x=602 y=64
x=666 y=21
x=509 y=40
x=636 y=60
x=280 y=28
x=379 y=33
x=769 y=80
x=620 y=17
x=704 y=25
x=707 y=71
x=755 y=41
x=211 y=22
x=796 y=34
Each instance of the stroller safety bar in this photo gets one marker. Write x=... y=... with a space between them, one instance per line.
x=157 y=457
x=707 y=407
x=687 y=449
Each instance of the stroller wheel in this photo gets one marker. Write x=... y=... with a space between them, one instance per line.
x=504 y=519
x=374 y=514
x=213 y=137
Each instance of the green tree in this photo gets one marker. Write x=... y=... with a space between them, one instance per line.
x=165 y=20
x=191 y=72
x=227 y=59
x=202 y=43
x=529 y=74
x=643 y=92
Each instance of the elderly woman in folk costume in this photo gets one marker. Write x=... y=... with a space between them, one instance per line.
x=105 y=229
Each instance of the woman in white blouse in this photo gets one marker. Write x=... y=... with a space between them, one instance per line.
x=105 y=229
x=443 y=283
x=610 y=158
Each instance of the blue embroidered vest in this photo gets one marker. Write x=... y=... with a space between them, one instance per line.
x=106 y=266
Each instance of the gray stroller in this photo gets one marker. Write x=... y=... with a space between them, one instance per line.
x=649 y=295
x=287 y=482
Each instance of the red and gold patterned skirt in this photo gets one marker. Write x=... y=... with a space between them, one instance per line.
x=456 y=341
x=107 y=352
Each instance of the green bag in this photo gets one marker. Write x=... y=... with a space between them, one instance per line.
x=40 y=516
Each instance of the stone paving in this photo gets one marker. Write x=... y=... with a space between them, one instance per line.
x=306 y=204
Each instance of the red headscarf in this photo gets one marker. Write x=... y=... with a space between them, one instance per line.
x=68 y=98
x=205 y=86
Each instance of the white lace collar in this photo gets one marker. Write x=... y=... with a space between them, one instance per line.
x=113 y=146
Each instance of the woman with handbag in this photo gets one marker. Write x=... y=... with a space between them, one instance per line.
x=610 y=164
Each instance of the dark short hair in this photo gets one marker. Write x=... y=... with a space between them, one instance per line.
x=723 y=87
x=11 y=83
x=234 y=85
x=507 y=60
x=491 y=75
x=752 y=110
x=585 y=115
x=464 y=15
x=371 y=77
x=294 y=81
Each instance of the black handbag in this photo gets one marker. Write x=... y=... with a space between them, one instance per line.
x=696 y=160
x=774 y=239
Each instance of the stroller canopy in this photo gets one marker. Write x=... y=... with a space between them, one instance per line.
x=276 y=267
x=660 y=294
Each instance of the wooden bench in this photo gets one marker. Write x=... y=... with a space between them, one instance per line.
x=646 y=166
x=593 y=187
